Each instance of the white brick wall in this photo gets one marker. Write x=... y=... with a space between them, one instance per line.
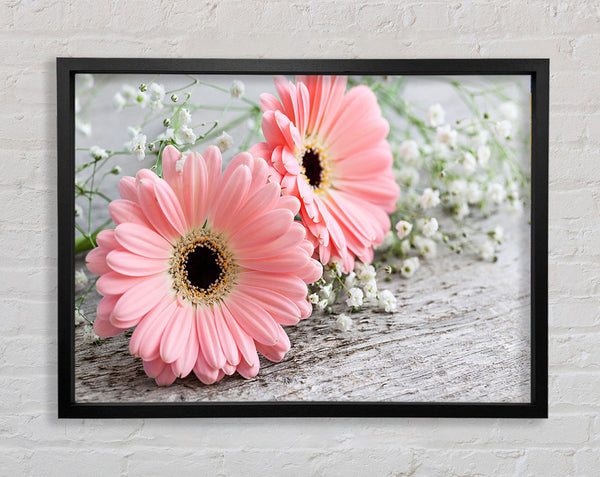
x=33 y=33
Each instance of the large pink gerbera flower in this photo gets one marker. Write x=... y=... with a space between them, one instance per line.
x=329 y=148
x=207 y=267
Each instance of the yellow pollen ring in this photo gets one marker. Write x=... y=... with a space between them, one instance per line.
x=217 y=290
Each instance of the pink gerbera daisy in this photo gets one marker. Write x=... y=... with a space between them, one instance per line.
x=328 y=147
x=207 y=267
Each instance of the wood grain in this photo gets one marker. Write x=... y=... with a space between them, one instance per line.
x=461 y=334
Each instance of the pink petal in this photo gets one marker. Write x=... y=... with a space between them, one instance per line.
x=113 y=283
x=287 y=284
x=170 y=205
x=186 y=361
x=204 y=372
x=174 y=178
x=289 y=241
x=228 y=344
x=253 y=319
x=260 y=202
x=244 y=342
x=195 y=190
x=232 y=193
x=106 y=239
x=95 y=261
x=276 y=352
x=153 y=211
x=289 y=202
x=103 y=327
x=166 y=377
x=124 y=211
x=139 y=300
x=128 y=189
x=145 y=340
x=130 y=264
x=263 y=229
x=176 y=334
x=208 y=337
x=213 y=161
x=269 y=102
x=143 y=241
x=279 y=307
x=154 y=367
x=287 y=262
x=248 y=371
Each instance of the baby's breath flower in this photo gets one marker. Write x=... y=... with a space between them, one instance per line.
x=237 y=89
x=86 y=80
x=474 y=193
x=83 y=127
x=469 y=163
x=224 y=142
x=487 y=250
x=142 y=99
x=496 y=193
x=409 y=267
x=322 y=304
x=515 y=207
x=179 y=165
x=509 y=110
x=405 y=246
x=343 y=322
x=79 y=317
x=184 y=116
x=186 y=135
x=355 y=298
x=406 y=176
x=365 y=272
x=119 y=102
x=350 y=280
x=313 y=298
x=457 y=190
x=440 y=150
x=430 y=198
x=336 y=268
x=425 y=246
x=497 y=233
x=409 y=151
x=462 y=210
x=447 y=135
x=387 y=301
x=403 y=228
x=81 y=278
x=116 y=170
x=504 y=128
x=157 y=92
x=483 y=155
x=89 y=336
x=370 y=289
x=129 y=92
x=430 y=227
x=168 y=135
x=78 y=211
x=325 y=291
x=435 y=115
x=98 y=153
x=138 y=146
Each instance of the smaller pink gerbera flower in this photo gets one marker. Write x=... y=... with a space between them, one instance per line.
x=206 y=267
x=328 y=148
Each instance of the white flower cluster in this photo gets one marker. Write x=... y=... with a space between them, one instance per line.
x=144 y=96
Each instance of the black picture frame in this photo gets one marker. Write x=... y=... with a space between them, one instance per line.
x=538 y=69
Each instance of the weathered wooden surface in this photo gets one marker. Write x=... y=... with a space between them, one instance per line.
x=461 y=333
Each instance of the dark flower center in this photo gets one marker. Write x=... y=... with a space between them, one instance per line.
x=203 y=267
x=313 y=169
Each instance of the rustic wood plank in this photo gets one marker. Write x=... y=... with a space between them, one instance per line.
x=461 y=334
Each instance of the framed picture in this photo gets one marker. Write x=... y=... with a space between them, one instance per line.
x=340 y=238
